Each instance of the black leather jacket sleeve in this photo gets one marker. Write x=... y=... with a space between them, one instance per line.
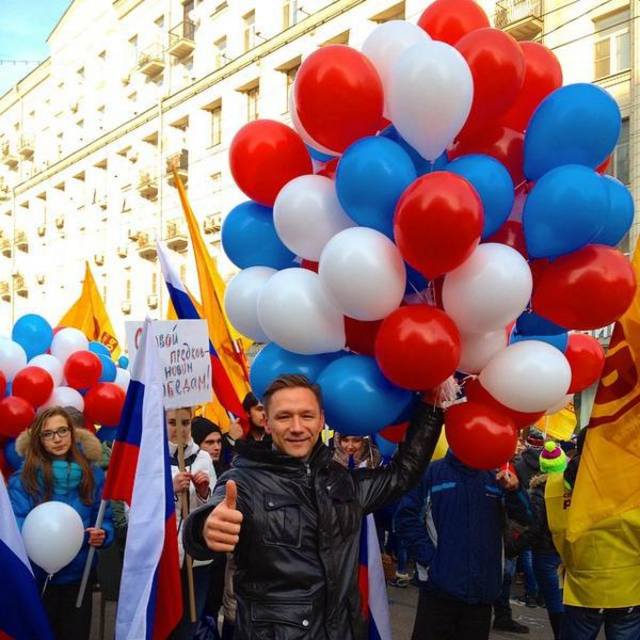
x=378 y=487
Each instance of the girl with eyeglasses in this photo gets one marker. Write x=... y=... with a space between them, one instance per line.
x=61 y=463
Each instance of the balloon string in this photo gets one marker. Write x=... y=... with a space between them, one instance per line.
x=46 y=582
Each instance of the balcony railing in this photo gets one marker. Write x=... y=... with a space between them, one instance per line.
x=147 y=247
x=152 y=301
x=9 y=157
x=5 y=192
x=520 y=18
x=5 y=291
x=5 y=247
x=212 y=223
x=182 y=39
x=151 y=60
x=176 y=235
x=181 y=163
x=22 y=241
x=26 y=146
x=20 y=286
x=148 y=185
x=125 y=307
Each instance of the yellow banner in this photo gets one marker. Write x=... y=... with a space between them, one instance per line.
x=609 y=477
x=89 y=314
x=560 y=425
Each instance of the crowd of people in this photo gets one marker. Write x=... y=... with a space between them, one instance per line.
x=269 y=525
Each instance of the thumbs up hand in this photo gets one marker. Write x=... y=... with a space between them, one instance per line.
x=222 y=528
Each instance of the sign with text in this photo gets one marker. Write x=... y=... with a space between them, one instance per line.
x=183 y=347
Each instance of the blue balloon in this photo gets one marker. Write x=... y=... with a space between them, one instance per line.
x=371 y=176
x=318 y=155
x=98 y=348
x=274 y=361
x=576 y=124
x=565 y=210
x=123 y=362
x=249 y=238
x=387 y=449
x=416 y=282
x=108 y=368
x=531 y=326
x=14 y=459
x=620 y=217
x=33 y=333
x=358 y=399
x=494 y=185
x=422 y=166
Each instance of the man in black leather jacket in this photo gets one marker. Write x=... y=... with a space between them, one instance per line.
x=293 y=516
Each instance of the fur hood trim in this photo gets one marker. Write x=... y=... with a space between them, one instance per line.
x=538 y=481
x=87 y=442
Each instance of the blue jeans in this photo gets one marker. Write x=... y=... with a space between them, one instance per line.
x=545 y=566
x=526 y=564
x=581 y=623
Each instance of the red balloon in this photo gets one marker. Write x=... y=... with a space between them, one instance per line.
x=543 y=74
x=586 y=357
x=310 y=265
x=395 y=432
x=502 y=143
x=16 y=415
x=586 y=289
x=361 y=335
x=329 y=169
x=103 y=404
x=450 y=20
x=497 y=66
x=480 y=436
x=338 y=96
x=3 y=385
x=33 y=384
x=477 y=393
x=82 y=369
x=511 y=234
x=264 y=155
x=438 y=222
x=418 y=347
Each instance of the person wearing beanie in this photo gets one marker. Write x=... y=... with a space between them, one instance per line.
x=546 y=560
x=209 y=437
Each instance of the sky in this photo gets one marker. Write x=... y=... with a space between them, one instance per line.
x=24 y=28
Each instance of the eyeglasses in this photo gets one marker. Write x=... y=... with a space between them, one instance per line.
x=62 y=432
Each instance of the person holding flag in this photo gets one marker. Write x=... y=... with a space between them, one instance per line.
x=294 y=517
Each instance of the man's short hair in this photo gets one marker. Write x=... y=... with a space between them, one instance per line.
x=291 y=381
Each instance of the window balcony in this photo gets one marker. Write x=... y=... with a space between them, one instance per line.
x=9 y=156
x=98 y=258
x=20 y=286
x=152 y=301
x=151 y=61
x=176 y=235
x=147 y=247
x=59 y=222
x=212 y=223
x=521 y=19
x=148 y=185
x=5 y=291
x=5 y=247
x=182 y=39
x=42 y=230
x=125 y=307
x=123 y=251
x=26 y=147
x=5 y=192
x=22 y=241
x=181 y=163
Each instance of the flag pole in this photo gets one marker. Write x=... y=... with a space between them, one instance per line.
x=184 y=505
x=92 y=552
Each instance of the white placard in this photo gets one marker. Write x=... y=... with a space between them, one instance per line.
x=183 y=346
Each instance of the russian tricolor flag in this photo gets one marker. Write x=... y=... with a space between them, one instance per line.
x=150 y=601
x=371 y=582
x=185 y=310
x=22 y=616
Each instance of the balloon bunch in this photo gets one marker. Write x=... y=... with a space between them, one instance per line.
x=41 y=367
x=437 y=208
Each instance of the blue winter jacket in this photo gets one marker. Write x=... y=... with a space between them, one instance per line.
x=453 y=522
x=65 y=491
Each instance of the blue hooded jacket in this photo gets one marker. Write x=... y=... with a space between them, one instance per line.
x=453 y=522
x=66 y=489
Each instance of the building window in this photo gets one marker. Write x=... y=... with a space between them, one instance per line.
x=253 y=98
x=290 y=76
x=619 y=165
x=216 y=126
x=220 y=52
x=289 y=13
x=612 y=52
x=216 y=179
x=249 y=30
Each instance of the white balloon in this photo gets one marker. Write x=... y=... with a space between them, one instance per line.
x=301 y=131
x=53 y=533
x=64 y=397
x=559 y=406
x=241 y=301
x=123 y=377
x=12 y=358
x=386 y=43
x=68 y=341
x=364 y=273
x=430 y=96
x=479 y=348
x=307 y=214
x=297 y=313
x=527 y=376
x=489 y=290
x=51 y=364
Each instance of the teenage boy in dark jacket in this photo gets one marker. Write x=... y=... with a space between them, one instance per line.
x=454 y=523
x=293 y=517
